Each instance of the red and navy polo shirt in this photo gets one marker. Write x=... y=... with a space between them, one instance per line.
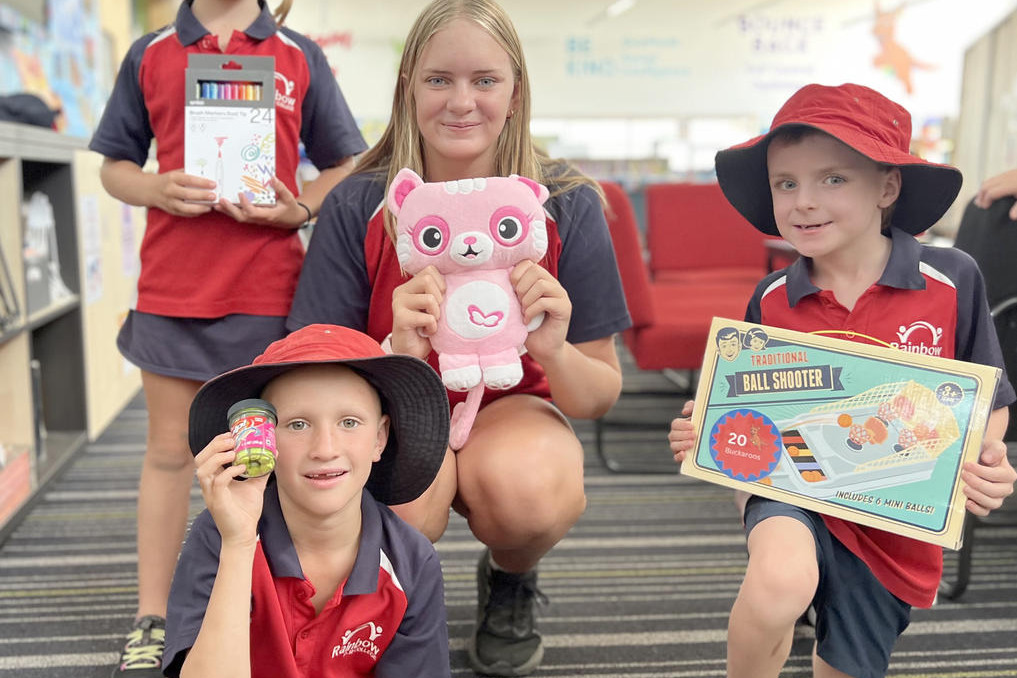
x=211 y=266
x=386 y=620
x=352 y=252
x=929 y=300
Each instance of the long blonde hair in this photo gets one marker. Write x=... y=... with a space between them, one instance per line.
x=401 y=144
x=282 y=11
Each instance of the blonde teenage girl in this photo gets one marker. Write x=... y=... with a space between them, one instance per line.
x=462 y=109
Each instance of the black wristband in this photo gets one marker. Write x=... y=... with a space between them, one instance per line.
x=309 y=217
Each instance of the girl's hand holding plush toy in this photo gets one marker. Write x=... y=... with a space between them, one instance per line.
x=416 y=308
x=539 y=292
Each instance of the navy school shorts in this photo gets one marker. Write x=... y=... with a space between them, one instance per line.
x=858 y=620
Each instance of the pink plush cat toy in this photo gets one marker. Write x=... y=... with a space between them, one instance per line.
x=473 y=231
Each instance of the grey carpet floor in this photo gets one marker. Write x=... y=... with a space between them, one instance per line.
x=641 y=587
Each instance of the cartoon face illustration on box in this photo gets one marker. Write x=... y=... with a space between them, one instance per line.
x=729 y=343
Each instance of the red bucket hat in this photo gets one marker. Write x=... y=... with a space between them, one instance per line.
x=866 y=121
x=411 y=391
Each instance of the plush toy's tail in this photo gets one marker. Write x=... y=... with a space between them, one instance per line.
x=463 y=416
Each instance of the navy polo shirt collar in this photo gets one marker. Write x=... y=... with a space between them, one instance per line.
x=798 y=284
x=282 y=556
x=902 y=269
x=190 y=30
x=364 y=577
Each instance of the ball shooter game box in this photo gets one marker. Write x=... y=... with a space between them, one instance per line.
x=869 y=434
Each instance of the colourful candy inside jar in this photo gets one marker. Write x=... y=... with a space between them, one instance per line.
x=252 y=423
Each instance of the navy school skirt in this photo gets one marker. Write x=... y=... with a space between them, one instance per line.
x=196 y=348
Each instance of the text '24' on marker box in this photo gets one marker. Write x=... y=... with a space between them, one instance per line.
x=866 y=433
x=230 y=124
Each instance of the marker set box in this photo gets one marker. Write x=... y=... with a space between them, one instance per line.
x=230 y=124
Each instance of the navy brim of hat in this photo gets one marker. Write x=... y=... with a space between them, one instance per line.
x=413 y=396
x=927 y=189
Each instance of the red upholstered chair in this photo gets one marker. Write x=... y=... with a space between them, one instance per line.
x=695 y=235
x=670 y=318
x=628 y=252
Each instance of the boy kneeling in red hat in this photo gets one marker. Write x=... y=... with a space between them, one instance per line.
x=834 y=177
x=306 y=572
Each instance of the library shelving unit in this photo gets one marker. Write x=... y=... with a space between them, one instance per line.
x=46 y=343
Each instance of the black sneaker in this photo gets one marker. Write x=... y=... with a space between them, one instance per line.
x=505 y=642
x=142 y=655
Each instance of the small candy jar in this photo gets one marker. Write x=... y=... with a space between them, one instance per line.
x=252 y=423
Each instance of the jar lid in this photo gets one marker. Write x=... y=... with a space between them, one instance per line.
x=251 y=403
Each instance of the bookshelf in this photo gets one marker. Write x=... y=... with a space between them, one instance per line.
x=57 y=390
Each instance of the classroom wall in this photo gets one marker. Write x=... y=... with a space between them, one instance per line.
x=117 y=27
x=647 y=95
x=684 y=57
x=704 y=73
x=653 y=93
x=987 y=129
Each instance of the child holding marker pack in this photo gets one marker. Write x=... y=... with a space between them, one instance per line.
x=216 y=280
x=834 y=177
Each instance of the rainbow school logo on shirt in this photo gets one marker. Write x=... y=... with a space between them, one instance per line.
x=359 y=640
x=284 y=92
x=919 y=337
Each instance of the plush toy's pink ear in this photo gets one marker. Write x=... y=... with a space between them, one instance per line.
x=405 y=181
x=538 y=189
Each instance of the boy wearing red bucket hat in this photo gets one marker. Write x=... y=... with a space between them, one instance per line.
x=310 y=573
x=834 y=178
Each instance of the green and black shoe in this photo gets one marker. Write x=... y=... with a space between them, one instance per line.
x=142 y=655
